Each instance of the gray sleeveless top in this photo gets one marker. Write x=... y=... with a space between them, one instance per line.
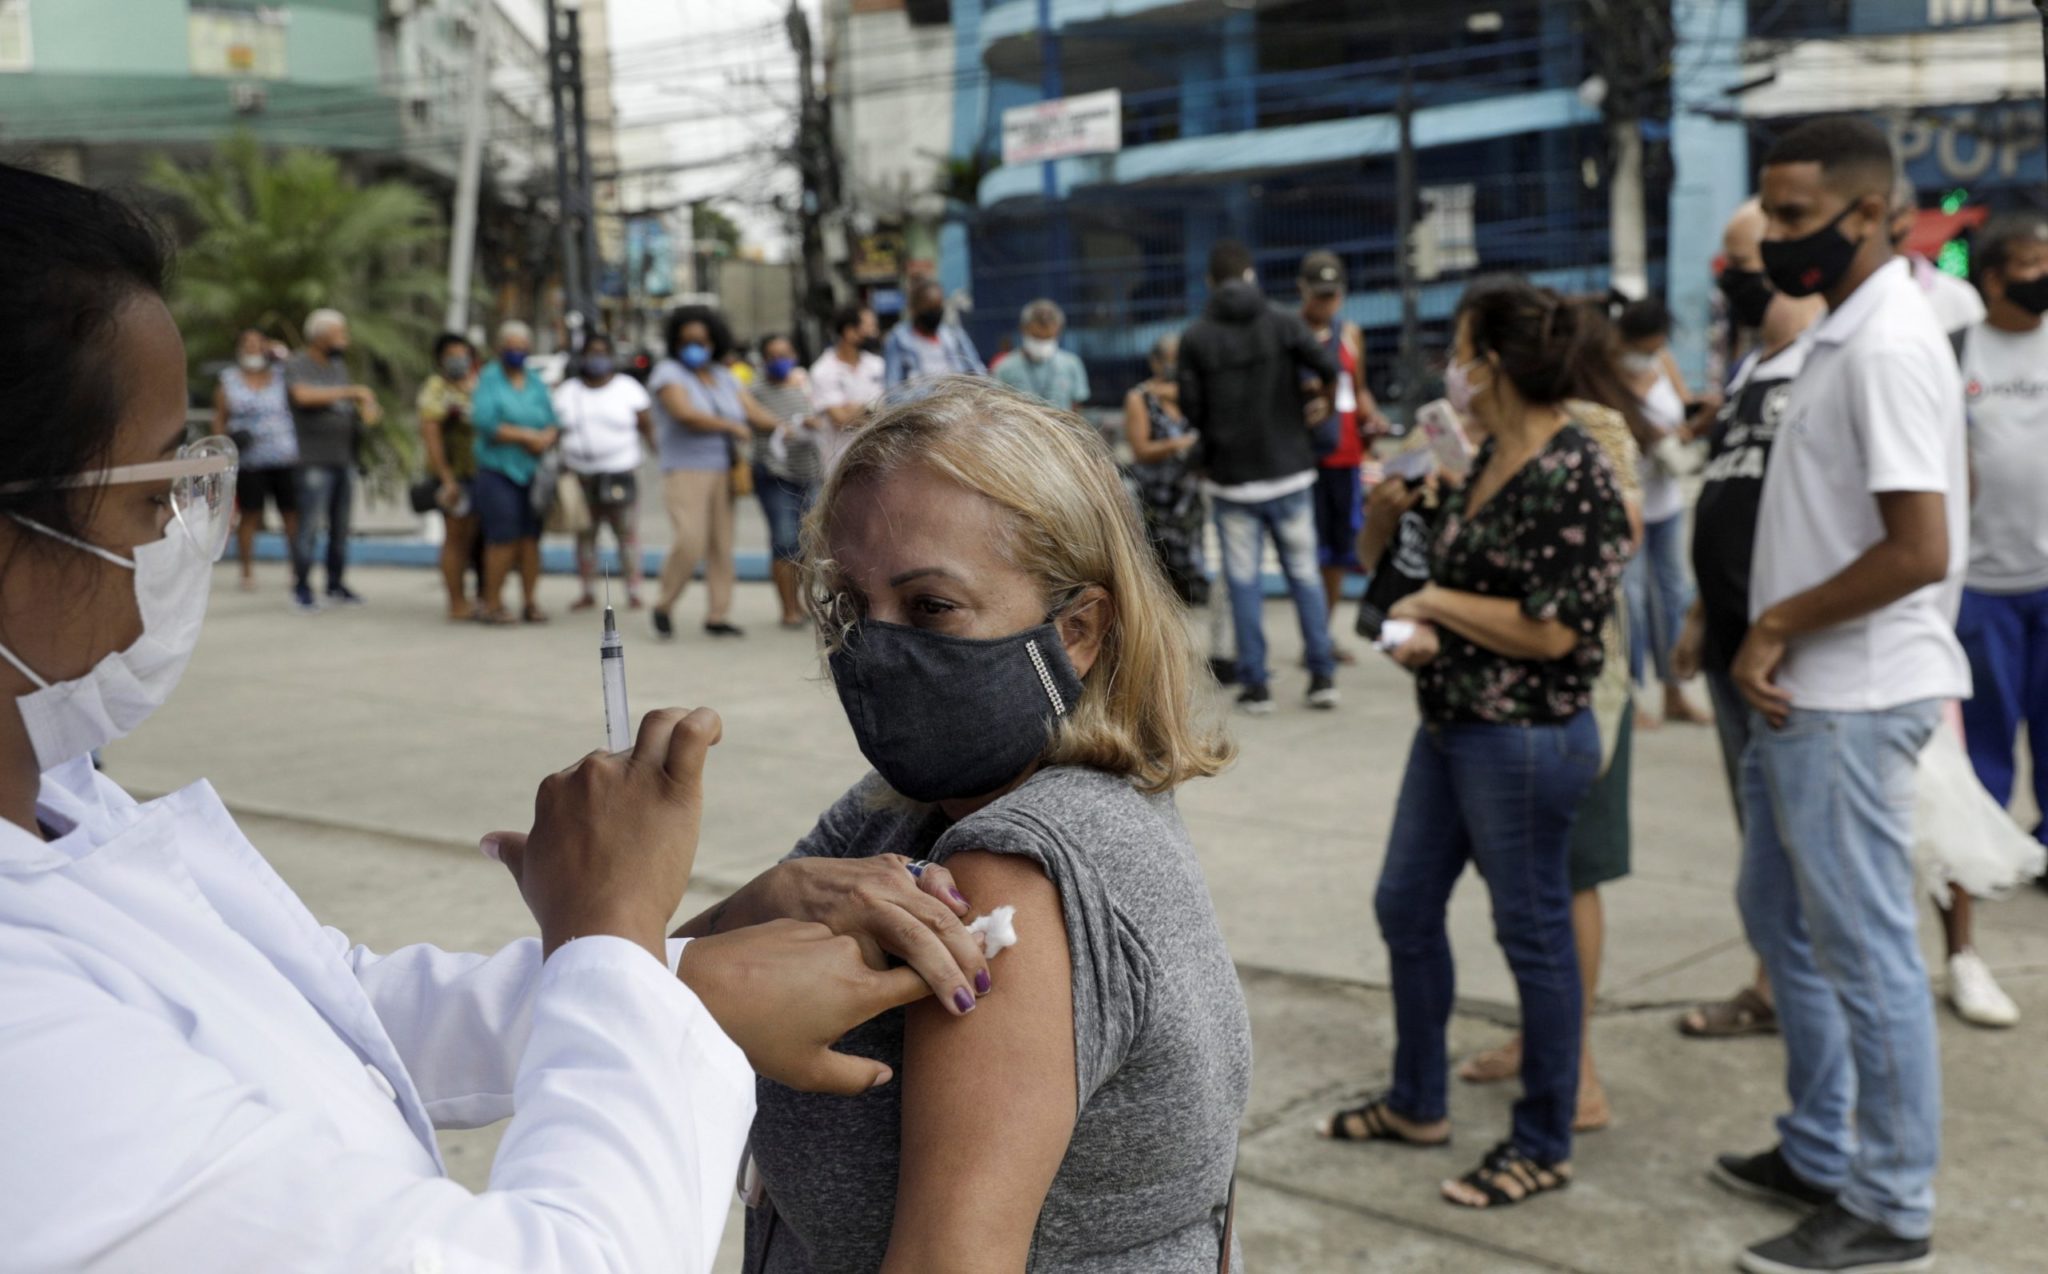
x=1162 y=1045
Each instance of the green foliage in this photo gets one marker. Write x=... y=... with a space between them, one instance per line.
x=270 y=238
x=710 y=226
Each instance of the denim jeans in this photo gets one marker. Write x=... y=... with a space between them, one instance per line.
x=1731 y=723
x=1658 y=594
x=784 y=503
x=1502 y=797
x=1290 y=520
x=324 y=492
x=2006 y=637
x=1830 y=900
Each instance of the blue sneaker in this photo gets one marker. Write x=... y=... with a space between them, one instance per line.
x=302 y=597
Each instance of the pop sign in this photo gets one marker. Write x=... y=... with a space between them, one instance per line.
x=1090 y=124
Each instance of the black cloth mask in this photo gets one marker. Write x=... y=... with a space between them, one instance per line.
x=927 y=321
x=1749 y=295
x=2030 y=295
x=1812 y=263
x=943 y=717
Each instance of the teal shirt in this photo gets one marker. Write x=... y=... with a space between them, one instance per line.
x=1060 y=381
x=497 y=403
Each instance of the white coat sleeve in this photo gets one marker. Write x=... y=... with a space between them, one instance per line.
x=127 y=1149
x=459 y=1020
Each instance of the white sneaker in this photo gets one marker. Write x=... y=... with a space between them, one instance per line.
x=1975 y=994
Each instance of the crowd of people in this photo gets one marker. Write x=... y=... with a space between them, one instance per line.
x=1003 y=609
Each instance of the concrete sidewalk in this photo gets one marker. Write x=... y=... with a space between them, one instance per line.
x=367 y=750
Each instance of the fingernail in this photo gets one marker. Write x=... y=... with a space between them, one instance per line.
x=963 y=1001
x=488 y=847
x=956 y=896
x=882 y=1078
x=982 y=983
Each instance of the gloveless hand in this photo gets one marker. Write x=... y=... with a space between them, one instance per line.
x=786 y=990
x=1755 y=672
x=615 y=836
x=888 y=912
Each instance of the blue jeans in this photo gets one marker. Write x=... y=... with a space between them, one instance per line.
x=1502 y=797
x=1731 y=723
x=1243 y=528
x=1830 y=901
x=1658 y=594
x=324 y=492
x=2006 y=637
x=784 y=504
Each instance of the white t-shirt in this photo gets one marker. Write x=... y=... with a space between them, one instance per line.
x=1878 y=407
x=2005 y=389
x=1664 y=408
x=836 y=383
x=601 y=427
x=1956 y=304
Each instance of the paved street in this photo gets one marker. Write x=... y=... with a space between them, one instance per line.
x=368 y=749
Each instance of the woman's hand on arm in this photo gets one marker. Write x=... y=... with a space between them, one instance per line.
x=989 y=1101
x=1497 y=623
x=880 y=905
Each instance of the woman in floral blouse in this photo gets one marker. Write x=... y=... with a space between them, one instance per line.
x=1526 y=559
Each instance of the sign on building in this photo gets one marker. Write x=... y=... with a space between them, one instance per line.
x=1090 y=124
x=1886 y=17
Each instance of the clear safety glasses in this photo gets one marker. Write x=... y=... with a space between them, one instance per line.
x=199 y=495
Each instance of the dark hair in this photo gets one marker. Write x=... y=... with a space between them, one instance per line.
x=74 y=257
x=772 y=337
x=602 y=337
x=920 y=287
x=1228 y=260
x=1646 y=317
x=256 y=332
x=714 y=326
x=1844 y=147
x=446 y=340
x=1995 y=241
x=846 y=316
x=1551 y=347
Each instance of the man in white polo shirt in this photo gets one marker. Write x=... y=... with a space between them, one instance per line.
x=1861 y=540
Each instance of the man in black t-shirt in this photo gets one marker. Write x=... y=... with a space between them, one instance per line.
x=1723 y=539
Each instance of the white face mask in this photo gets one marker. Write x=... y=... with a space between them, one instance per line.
x=1639 y=364
x=253 y=362
x=1038 y=349
x=72 y=718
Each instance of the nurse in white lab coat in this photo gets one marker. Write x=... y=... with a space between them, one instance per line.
x=194 y=1074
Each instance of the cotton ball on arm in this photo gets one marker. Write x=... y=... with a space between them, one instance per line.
x=996 y=930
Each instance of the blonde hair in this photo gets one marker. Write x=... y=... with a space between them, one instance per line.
x=1070 y=525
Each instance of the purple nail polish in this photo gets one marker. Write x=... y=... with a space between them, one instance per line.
x=957 y=896
x=963 y=1001
x=982 y=983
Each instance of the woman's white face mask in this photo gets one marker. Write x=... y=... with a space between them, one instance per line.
x=173 y=576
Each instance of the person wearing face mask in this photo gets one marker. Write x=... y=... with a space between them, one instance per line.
x=605 y=419
x=1018 y=675
x=787 y=465
x=707 y=420
x=1861 y=541
x=450 y=441
x=251 y=407
x=329 y=411
x=1525 y=560
x=1656 y=584
x=927 y=345
x=846 y=380
x=1041 y=368
x=198 y=1074
x=515 y=425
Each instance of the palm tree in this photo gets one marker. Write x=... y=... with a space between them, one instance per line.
x=272 y=238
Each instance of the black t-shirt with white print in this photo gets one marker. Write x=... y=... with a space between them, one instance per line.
x=1724 y=519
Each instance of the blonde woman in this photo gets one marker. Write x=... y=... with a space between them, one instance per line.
x=1018 y=674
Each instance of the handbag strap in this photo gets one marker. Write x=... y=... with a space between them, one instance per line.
x=1229 y=1225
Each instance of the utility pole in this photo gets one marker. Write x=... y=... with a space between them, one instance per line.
x=1631 y=51
x=572 y=168
x=820 y=195
x=469 y=180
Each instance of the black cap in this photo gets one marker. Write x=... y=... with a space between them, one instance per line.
x=1322 y=272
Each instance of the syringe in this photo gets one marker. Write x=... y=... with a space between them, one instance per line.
x=611 y=664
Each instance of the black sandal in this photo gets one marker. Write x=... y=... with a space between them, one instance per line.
x=1373 y=1125
x=1505 y=1163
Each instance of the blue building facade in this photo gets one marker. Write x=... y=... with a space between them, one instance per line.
x=1276 y=126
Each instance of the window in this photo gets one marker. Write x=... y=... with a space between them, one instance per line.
x=237 y=40
x=14 y=47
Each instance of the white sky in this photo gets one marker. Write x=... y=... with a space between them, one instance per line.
x=688 y=62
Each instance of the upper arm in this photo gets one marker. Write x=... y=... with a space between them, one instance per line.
x=1574 y=586
x=1918 y=522
x=1137 y=421
x=975 y=1170
x=1902 y=403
